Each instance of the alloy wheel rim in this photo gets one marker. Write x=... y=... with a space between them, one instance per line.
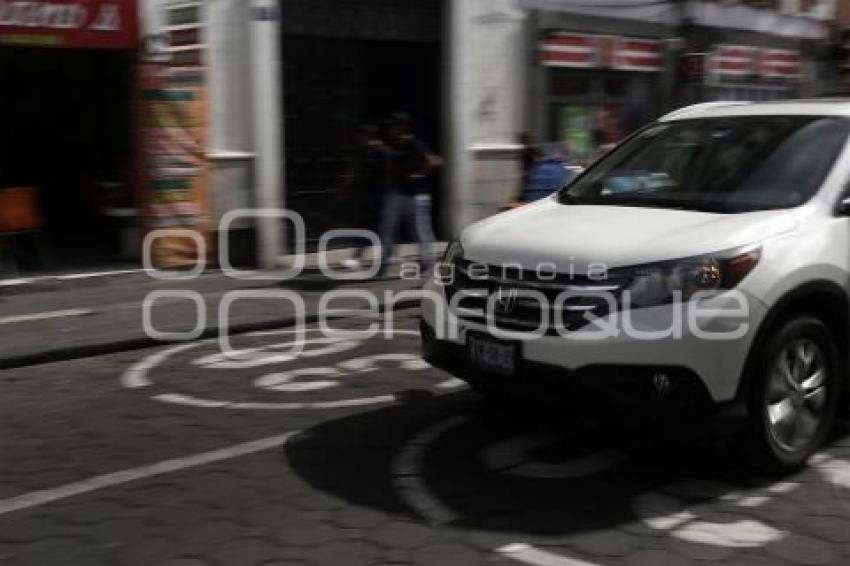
x=796 y=394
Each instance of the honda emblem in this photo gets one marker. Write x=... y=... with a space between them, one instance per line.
x=506 y=299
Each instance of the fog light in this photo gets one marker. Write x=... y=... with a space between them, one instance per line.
x=662 y=383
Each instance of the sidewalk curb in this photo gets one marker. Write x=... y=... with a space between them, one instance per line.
x=46 y=283
x=93 y=350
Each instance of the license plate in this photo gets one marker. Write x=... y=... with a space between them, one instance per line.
x=489 y=354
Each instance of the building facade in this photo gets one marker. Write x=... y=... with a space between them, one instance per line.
x=839 y=53
x=336 y=65
x=564 y=68
x=473 y=74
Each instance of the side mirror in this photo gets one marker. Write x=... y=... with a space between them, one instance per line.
x=843 y=208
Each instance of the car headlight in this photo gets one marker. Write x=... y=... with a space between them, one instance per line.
x=669 y=281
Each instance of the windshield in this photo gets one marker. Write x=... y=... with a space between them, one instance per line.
x=718 y=165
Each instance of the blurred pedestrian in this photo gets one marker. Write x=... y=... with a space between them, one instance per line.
x=608 y=131
x=409 y=197
x=529 y=154
x=369 y=177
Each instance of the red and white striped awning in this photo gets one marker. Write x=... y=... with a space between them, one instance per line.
x=561 y=49
x=735 y=61
x=744 y=61
x=568 y=50
x=780 y=63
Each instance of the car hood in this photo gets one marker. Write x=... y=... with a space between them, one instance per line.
x=573 y=236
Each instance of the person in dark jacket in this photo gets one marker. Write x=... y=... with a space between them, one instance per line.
x=409 y=197
x=370 y=175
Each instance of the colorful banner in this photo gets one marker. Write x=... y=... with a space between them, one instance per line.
x=86 y=24
x=173 y=130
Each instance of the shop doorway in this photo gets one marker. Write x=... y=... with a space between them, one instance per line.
x=65 y=132
x=405 y=77
x=345 y=63
x=332 y=87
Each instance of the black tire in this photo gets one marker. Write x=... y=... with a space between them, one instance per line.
x=764 y=443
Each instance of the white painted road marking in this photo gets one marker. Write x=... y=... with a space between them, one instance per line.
x=36 y=316
x=42 y=497
x=189 y=401
x=527 y=554
x=94 y=275
x=664 y=513
x=68 y=277
x=837 y=472
x=403 y=361
x=138 y=375
x=668 y=514
x=248 y=358
x=757 y=498
x=285 y=381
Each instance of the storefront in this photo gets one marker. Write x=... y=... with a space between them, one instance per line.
x=66 y=129
x=596 y=89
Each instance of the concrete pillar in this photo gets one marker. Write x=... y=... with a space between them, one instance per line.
x=266 y=78
x=488 y=63
x=228 y=73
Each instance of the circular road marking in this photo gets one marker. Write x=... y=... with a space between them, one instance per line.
x=138 y=376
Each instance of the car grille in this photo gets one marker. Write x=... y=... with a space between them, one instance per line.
x=584 y=298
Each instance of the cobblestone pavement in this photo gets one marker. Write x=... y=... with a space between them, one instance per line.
x=391 y=462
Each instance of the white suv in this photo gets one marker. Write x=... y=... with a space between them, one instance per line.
x=702 y=267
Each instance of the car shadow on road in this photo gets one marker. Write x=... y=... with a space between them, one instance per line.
x=456 y=460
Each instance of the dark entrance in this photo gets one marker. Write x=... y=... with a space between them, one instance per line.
x=65 y=130
x=405 y=76
x=339 y=74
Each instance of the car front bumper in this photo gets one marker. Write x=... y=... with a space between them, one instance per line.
x=704 y=371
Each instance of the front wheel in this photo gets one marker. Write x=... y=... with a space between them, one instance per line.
x=794 y=397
